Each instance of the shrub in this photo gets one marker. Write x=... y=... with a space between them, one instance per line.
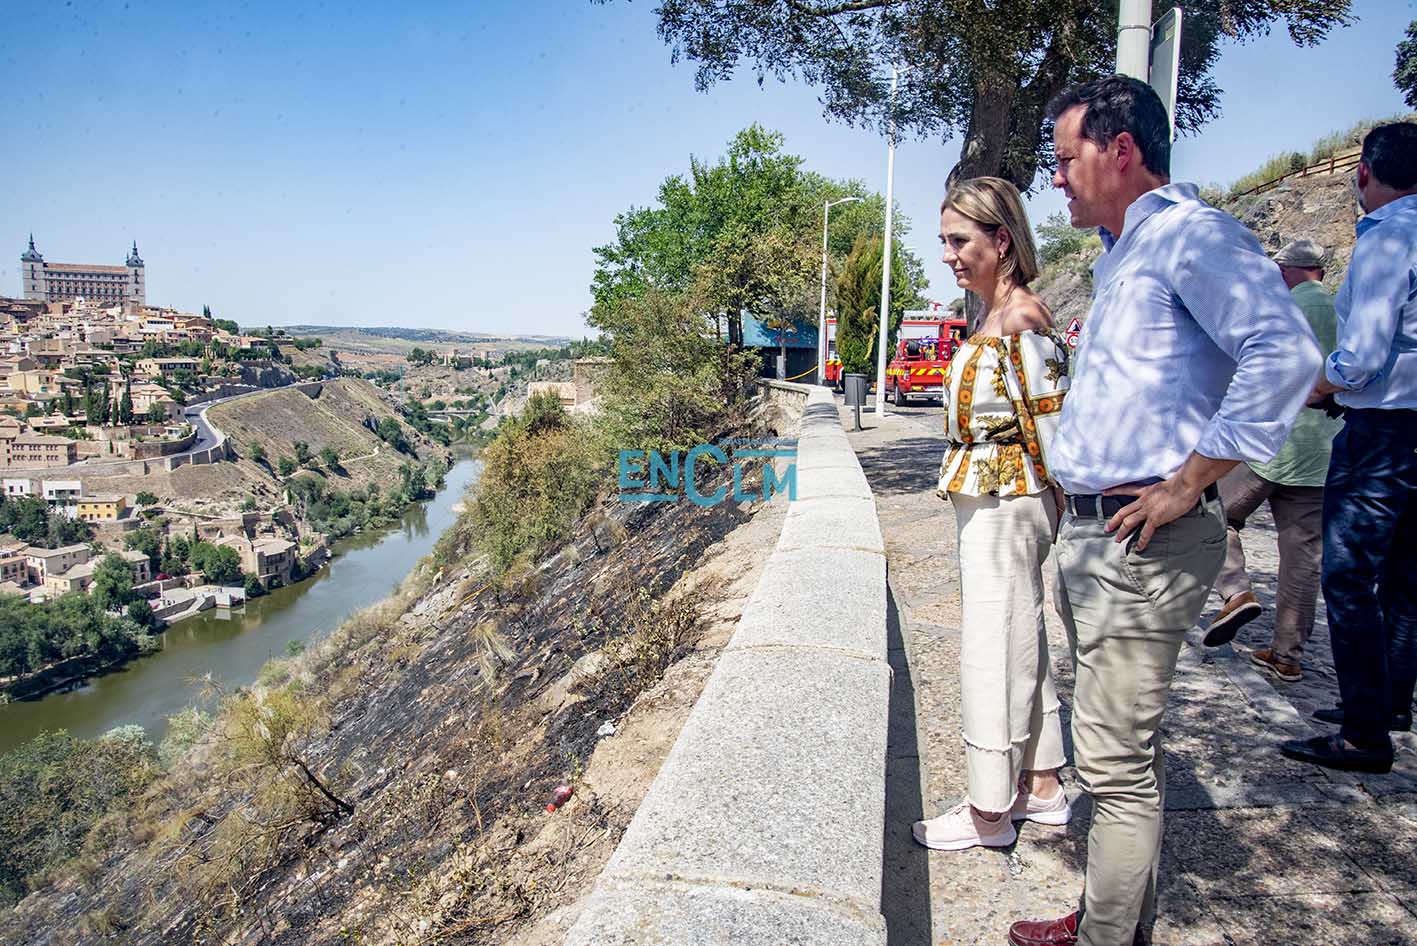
x=54 y=788
x=538 y=476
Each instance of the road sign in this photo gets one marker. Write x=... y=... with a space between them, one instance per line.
x=1075 y=326
x=1166 y=60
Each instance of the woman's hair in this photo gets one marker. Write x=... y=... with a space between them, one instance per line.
x=993 y=202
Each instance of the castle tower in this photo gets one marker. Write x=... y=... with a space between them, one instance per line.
x=32 y=273
x=137 y=290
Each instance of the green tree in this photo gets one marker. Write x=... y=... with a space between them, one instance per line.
x=125 y=406
x=112 y=583
x=302 y=453
x=984 y=71
x=219 y=563
x=285 y=466
x=157 y=414
x=330 y=458
x=141 y=614
x=145 y=498
x=1404 y=72
x=859 y=301
x=147 y=541
x=256 y=452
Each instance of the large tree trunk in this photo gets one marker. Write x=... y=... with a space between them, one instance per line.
x=986 y=136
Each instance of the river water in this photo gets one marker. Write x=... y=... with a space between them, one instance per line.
x=233 y=645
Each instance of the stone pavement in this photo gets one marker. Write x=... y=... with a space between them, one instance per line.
x=1258 y=849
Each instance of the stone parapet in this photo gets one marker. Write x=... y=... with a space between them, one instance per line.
x=766 y=822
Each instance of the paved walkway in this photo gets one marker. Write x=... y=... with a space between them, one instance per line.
x=1258 y=850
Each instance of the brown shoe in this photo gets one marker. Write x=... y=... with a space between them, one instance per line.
x=1238 y=611
x=1059 y=932
x=1286 y=670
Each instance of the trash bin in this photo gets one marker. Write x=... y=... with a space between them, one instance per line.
x=855 y=390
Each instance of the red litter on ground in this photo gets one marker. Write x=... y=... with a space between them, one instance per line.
x=560 y=796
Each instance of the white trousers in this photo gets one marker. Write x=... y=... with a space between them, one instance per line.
x=1009 y=705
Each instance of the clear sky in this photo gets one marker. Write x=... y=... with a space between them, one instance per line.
x=451 y=165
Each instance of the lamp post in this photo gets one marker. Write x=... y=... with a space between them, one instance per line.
x=822 y=313
x=885 y=309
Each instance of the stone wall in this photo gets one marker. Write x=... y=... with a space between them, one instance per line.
x=766 y=823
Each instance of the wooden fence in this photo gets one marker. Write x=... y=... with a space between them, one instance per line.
x=1338 y=161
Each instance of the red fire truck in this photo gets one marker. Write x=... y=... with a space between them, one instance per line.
x=923 y=349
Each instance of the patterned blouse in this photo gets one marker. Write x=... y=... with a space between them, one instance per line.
x=1002 y=400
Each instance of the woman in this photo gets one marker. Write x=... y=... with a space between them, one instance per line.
x=1003 y=391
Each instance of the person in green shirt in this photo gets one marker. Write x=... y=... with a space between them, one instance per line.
x=1293 y=485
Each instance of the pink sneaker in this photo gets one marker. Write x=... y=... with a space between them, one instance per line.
x=1056 y=811
x=960 y=828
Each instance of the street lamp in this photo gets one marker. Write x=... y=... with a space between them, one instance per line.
x=885 y=309
x=822 y=313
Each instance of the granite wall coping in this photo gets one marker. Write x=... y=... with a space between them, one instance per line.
x=765 y=825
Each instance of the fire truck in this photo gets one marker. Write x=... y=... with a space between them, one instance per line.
x=924 y=345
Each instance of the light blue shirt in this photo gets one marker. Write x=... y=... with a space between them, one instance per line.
x=1376 y=357
x=1193 y=344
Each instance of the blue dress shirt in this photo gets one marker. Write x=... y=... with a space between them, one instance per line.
x=1376 y=358
x=1193 y=344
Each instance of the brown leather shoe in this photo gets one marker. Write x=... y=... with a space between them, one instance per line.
x=1239 y=610
x=1286 y=670
x=1059 y=932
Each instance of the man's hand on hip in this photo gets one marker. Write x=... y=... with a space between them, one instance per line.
x=1167 y=501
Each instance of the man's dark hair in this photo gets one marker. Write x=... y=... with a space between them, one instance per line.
x=1117 y=104
x=1390 y=152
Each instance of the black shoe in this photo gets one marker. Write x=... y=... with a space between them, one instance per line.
x=1401 y=722
x=1334 y=753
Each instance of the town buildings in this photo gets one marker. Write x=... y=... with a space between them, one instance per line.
x=64 y=282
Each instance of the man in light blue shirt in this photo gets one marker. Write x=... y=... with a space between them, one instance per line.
x=1194 y=356
x=1370 y=496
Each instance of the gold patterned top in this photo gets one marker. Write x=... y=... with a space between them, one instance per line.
x=1003 y=397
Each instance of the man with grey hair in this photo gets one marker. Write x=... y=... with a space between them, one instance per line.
x=1293 y=484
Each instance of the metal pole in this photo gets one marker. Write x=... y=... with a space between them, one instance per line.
x=1134 y=39
x=884 y=313
x=822 y=312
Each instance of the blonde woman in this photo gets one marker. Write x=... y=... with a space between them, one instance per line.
x=1003 y=391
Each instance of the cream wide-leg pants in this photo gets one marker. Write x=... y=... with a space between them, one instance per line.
x=1009 y=705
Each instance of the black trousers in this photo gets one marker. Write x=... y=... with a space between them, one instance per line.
x=1370 y=550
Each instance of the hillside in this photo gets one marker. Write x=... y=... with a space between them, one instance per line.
x=439 y=721
x=1314 y=208
x=399 y=341
x=336 y=417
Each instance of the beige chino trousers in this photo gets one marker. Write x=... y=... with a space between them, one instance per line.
x=1126 y=614
x=1007 y=699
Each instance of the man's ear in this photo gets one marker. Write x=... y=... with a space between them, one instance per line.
x=1126 y=151
x=1365 y=174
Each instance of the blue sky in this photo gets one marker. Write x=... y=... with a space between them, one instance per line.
x=451 y=165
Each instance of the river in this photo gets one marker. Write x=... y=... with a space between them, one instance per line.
x=233 y=645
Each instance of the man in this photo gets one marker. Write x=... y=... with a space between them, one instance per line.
x=1193 y=356
x=1293 y=484
x=1370 y=497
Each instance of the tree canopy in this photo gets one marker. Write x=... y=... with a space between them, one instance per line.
x=983 y=71
x=742 y=234
x=1404 y=72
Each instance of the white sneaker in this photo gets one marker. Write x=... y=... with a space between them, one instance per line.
x=960 y=828
x=1056 y=811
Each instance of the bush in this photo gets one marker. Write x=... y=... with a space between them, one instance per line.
x=538 y=476
x=1058 y=238
x=54 y=788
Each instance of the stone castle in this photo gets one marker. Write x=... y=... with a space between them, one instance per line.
x=66 y=282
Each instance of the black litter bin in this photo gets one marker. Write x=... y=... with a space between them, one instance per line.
x=855 y=390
